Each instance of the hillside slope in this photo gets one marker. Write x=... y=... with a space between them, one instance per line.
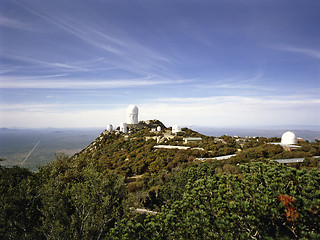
x=122 y=187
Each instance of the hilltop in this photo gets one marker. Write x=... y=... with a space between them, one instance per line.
x=145 y=156
x=153 y=183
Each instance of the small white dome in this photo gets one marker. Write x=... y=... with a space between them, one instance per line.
x=109 y=128
x=289 y=138
x=158 y=128
x=175 y=129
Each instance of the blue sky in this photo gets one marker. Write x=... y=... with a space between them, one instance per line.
x=225 y=63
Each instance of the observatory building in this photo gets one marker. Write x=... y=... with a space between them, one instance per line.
x=132 y=114
x=123 y=128
x=175 y=129
x=289 y=138
x=288 y=141
x=133 y=123
x=109 y=128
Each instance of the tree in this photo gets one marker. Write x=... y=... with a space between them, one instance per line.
x=247 y=205
x=82 y=205
x=262 y=201
x=19 y=204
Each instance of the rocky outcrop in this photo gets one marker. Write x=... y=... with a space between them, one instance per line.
x=153 y=124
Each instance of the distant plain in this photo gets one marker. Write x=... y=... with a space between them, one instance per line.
x=16 y=144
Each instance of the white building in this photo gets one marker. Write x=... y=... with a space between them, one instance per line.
x=132 y=114
x=289 y=138
x=109 y=128
x=123 y=127
x=175 y=129
x=288 y=141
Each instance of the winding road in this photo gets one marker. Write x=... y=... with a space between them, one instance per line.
x=30 y=153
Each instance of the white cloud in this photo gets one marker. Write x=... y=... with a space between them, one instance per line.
x=42 y=82
x=236 y=111
x=90 y=65
x=268 y=101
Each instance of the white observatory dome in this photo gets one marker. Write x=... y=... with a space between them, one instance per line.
x=159 y=128
x=175 y=129
x=109 y=128
x=289 y=138
x=132 y=109
x=132 y=114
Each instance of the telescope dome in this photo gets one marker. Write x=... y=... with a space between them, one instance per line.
x=289 y=138
x=132 y=114
x=132 y=109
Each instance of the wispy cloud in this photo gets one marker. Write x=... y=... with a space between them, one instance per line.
x=124 y=48
x=18 y=79
x=241 y=100
x=252 y=83
x=304 y=51
x=89 y=65
x=52 y=106
x=42 y=82
x=13 y=23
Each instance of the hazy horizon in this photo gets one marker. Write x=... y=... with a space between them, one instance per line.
x=265 y=127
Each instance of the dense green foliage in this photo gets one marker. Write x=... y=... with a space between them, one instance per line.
x=235 y=206
x=19 y=204
x=94 y=194
x=88 y=203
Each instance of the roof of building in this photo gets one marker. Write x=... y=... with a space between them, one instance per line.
x=291 y=160
x=285 y=145
x=218 y=158
x=193 y=139
x=171 y=147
